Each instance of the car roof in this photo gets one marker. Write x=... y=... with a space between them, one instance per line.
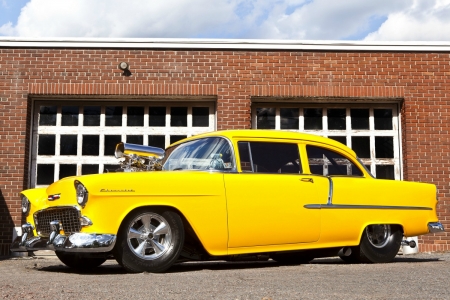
x=270 y=134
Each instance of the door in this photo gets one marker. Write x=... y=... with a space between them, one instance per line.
x=265 y=201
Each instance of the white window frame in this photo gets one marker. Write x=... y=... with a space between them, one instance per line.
x=103 y=130
x=348 y=132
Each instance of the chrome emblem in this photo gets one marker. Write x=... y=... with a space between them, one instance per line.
x=53 y=197
x=117 y=191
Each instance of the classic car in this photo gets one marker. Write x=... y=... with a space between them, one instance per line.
x=227 y=195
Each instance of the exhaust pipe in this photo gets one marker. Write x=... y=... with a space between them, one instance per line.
x=410 y=243
x=346 y=251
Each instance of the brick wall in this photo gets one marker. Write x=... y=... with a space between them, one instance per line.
x=232 y=77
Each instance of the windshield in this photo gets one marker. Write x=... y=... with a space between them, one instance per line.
x=203 y=154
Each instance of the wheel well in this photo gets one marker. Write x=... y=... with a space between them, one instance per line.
x=191 y=239
x=393 y=225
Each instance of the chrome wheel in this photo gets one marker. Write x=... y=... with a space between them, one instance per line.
x=149 y=236
x=378 y=235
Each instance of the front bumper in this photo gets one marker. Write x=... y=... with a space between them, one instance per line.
x=75 y=242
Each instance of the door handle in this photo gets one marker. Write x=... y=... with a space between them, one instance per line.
x=307 y=180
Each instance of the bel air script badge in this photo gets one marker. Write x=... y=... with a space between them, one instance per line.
x=117 y=191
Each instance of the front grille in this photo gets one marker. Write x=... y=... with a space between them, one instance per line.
x=69 y=217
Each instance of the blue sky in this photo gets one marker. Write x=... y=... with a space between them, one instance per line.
x=381 y=20
x=10 y=10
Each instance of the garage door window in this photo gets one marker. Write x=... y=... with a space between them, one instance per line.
x=371 y=130
x=78 y=138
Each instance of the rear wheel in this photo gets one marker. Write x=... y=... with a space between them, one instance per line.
x=79 y=261
x=380 y=243
x=149 y=240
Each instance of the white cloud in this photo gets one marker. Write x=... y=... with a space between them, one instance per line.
x=424 y=20
x=7 y=29
x=118 y=18
x=326 y=19
x=274 y=19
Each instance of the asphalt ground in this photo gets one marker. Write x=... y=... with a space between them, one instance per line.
x=413 y=276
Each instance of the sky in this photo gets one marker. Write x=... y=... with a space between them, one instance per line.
x=360 y=20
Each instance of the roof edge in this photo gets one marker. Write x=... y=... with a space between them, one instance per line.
x=227 y=44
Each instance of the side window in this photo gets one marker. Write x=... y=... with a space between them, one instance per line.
x=326 y=162
x=260 y=157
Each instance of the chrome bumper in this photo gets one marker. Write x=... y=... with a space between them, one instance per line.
x=76 y=242
x=435 y=227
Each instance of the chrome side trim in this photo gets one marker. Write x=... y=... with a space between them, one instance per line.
x=345 y=206
x=330 y=191
x=76 y=242
x=435 y=227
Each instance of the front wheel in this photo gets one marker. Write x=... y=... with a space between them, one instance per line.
x=380 y=243
x=79 y=261
x=149 y=240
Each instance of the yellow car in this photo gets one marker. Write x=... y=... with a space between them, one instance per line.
x=228 y=195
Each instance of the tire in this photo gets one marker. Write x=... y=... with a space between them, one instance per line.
x=149 y=240
x=79 y=261
x=380 y=243
x=291 y=258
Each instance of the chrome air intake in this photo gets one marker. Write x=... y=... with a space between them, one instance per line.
x=139 y=157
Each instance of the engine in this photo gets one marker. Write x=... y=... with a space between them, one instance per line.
x=136 y=158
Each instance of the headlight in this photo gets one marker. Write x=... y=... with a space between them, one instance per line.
x=25 y=205
x=82 y=193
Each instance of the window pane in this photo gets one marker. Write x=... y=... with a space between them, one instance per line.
x=383 y=119
x=340 y=139
x=111 y=168
x=68 y=144
x=45 y=174
x=91 y=116
x=110 y=143
x=157 y=116
x=336 y=119
x=176 y=138
x=157 y=141
x=135 y=116
x=361 y=145
x=360 y=118
x=244 y=156
x=69 y=116
x=289 y=118
x=313 y=118
x=326 y=162
x=46 y=144
x=89 y=169
x=67 y=170
x=47 y=116
x=178 y=116
x=90 y=145
x=113 y=116
x=385 y=171
x=384 y=147
x=200 y=116
x=265 y=118
x=135 y=139
x=275 y=158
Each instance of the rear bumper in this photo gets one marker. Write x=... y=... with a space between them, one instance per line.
x=75 y=242
x=435 y=227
